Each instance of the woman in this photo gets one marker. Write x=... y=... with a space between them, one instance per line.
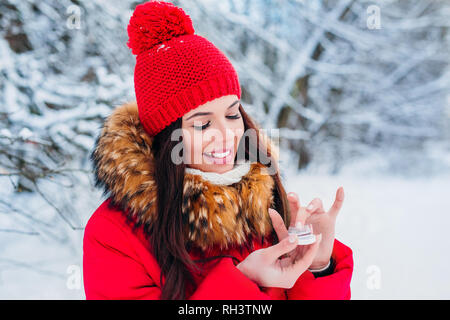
x=195 y=210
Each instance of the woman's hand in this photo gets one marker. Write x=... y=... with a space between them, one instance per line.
x=264 y=267
x=322 y=223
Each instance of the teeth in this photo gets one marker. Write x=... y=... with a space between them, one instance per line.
x=218 y=155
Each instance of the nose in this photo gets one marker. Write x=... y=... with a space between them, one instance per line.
x=224 y=135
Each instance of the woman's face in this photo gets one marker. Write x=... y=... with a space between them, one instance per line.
x=211 y=134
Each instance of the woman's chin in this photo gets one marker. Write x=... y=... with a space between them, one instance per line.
x=211 y=164
x=222 y=168
x=214 y=166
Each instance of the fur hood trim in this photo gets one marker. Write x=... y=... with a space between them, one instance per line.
x=215 y=215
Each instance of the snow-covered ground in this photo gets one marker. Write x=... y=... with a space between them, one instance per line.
x=396 y=227
x=323 y=71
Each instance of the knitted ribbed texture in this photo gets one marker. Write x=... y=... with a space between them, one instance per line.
x=177 y=75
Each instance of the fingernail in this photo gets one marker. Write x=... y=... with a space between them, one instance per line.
x=341 y=194
x=292 y=238
x=310 y=207
x=299 y=225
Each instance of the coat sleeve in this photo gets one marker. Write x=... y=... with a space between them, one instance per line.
x=112 y=270
x=335 y=286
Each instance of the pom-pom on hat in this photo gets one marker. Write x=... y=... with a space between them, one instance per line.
x=176 y=70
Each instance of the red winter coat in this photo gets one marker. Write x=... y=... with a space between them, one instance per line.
x=117 y=262
x=118 y=265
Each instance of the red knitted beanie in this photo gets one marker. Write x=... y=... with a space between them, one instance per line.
x=176 y=70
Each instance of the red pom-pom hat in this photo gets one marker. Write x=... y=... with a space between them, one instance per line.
x=176 y=70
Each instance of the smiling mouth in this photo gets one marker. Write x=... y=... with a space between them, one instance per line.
x=218 y=155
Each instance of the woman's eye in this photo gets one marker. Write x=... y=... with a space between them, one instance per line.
x=206 y=125
x=203 y=127
x=236 y=116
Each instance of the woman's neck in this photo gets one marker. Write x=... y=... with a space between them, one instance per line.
x=231 y=176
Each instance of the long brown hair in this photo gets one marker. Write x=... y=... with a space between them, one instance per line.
x=167 y=246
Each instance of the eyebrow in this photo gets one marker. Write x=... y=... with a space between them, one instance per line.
x=207 y=113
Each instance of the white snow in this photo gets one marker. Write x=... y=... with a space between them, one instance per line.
x=396 y=226
x=377 y=105
x=397 y=229
x=5 y=133
x=25 y=133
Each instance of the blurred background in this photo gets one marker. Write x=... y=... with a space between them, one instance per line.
x=359 y=90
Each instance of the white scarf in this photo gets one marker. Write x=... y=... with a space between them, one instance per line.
x=234 y=175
